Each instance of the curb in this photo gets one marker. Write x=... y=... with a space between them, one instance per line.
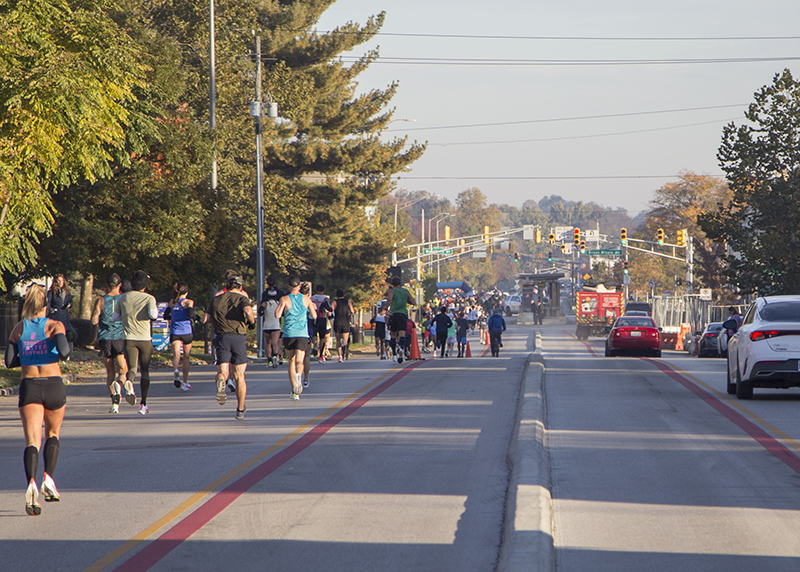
x=528 y=536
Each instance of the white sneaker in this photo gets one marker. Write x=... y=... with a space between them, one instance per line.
x=231 y=385
x=130 y=393
x=297 y=387
x=176 y=381
x=295 y=397
x=186 y=386
x=144 y=409
x=49 y=489
x=114 y=408
x=32 y=506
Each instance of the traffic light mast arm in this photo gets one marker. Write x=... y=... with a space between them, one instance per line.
x=655 y=243
x=654 y=252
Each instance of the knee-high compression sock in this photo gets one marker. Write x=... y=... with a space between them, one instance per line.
x=393 y=345
x=31 y=460
x=402 y=343
x=51 y=447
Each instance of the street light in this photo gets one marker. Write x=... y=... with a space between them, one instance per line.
x=444 y=216
x=408 y=204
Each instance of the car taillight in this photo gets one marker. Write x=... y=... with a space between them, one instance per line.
x=710 y=335
x=765 y=334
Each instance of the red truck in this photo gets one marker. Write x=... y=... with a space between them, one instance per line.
x=595 y=311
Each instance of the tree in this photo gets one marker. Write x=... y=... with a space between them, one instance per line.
x=761 y=225
x=68 y=72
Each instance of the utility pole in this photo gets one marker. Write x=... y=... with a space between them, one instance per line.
x=212 y=87
x=689 y=265
x=255 y=110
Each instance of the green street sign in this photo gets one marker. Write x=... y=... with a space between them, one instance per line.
x=605 y=252
x=437 y=250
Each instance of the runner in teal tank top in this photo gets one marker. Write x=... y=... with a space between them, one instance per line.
x=295 y=309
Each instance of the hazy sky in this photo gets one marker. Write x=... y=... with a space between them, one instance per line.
x=555 y=143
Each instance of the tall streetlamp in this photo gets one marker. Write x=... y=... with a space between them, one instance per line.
x=443 y=216
x=407 y=204
x=256 y=111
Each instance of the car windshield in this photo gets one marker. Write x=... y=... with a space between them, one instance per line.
x=781 y=312
x=635 y=323
x=714 y=327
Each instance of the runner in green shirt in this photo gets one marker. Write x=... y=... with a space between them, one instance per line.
x=398 y=299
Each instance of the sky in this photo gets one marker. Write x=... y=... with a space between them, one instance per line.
x=556 y=137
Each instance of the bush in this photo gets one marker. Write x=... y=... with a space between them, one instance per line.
x=86 y=332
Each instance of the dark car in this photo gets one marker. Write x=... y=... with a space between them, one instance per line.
x=634 y=334
x=708 y=343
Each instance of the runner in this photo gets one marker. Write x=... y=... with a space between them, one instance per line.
x=324 y=311
x=442 y=322
x=180 y=313
x=462 y=325
x=296 y=307
x=136 y=310
x=483 y=327
x=225 y=277
x=36 y=344
x=451 y=334
x=496 y=325
x=111 y=339
x=305 y=290
x=472 y=317
x=271 y=326
x=342 y=311
x=398 y=299
x=231 y=314
x=380 y=330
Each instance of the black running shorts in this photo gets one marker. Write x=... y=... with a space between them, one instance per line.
x=46 y=391
x=380 y=330
x=230 y=348
x=185 y=338
x=321 y=326
x=398 y=322
x=300 y=344
x=341 y=327
x=112 y=348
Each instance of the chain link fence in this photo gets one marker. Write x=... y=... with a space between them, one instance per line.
x=670 y=313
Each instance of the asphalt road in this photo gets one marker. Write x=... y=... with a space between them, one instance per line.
x=654 y=467
x=377 y=467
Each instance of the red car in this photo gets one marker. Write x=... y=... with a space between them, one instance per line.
x=634 y=334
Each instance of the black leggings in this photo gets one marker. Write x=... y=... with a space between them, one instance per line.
x=441 y=340
x=139 y=352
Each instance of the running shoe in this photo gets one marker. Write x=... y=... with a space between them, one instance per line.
x=49 y=489
x=280 y=360
x=231 y=385
x=297 y=387
x=400 y=358
x=383 y=356
x=114 y=408
x=144 y=409
x=295 y=397
x=240 y=413
x=130 y=393
x=394 y=359
x=222 y=397
x=305 y=382
x=32 y=506
x=341 y=359
x=116 y=388
x=186 y=386
x=177 y=378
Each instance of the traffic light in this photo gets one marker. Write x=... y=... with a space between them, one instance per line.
x=583 y=247
x=623 y=236
x=447 y=232
x=660 y=236
x=552 y=238
x=537 y=238
x=681 y=238
x=625 y=267
x=577 y=236
x=516 y=257
x=563 y=248
x=486 y=235
x=550 y=257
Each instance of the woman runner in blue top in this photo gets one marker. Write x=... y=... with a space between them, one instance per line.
x=36 y=344
x=180 y=312
x=295 y=307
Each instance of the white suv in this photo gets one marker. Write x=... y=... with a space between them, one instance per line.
x=511 y=304
x=765 y=351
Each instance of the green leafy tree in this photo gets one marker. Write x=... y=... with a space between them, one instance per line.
x=68 y=73
x=761 y=160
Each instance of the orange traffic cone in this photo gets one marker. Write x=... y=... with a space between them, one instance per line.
x=414 y=347
x=468 y=353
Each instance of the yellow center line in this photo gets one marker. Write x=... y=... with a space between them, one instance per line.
x=142 y=536
x=734 y=403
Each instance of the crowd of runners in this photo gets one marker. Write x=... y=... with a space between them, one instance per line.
x=295 y=325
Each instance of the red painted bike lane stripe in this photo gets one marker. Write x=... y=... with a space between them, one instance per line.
x=770 y=443
x=184 y=529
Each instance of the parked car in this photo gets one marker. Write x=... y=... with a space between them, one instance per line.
x=511 y=304
x=765 y=351
x=634 y=334
x=708 y=343
x=639 y=307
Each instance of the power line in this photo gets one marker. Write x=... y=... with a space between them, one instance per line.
x=547 y=63
x=576 y=118
x=580 y=136
x=543 y=178
x=577 y=38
